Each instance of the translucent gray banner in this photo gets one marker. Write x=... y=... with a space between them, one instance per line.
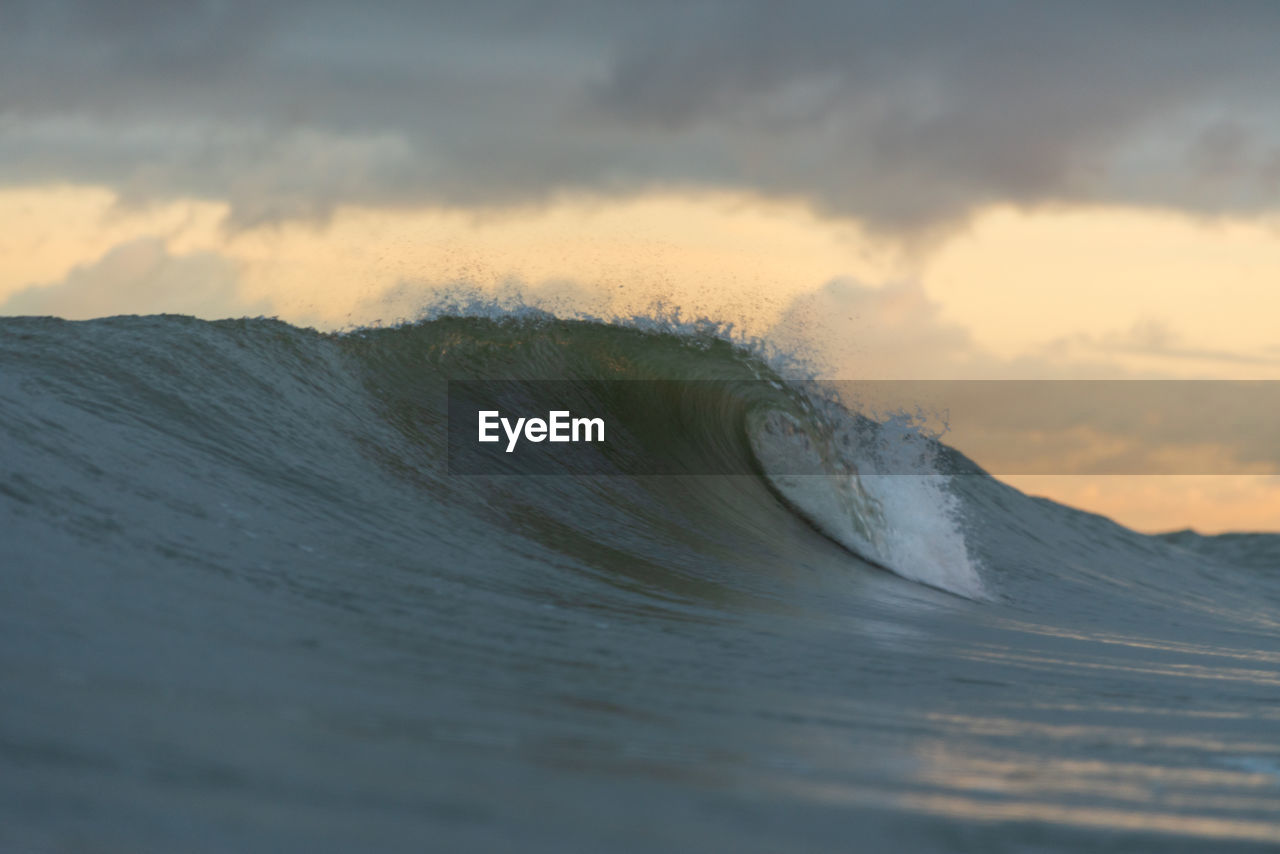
x=661 y=427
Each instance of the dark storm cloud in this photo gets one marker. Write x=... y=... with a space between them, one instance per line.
x=897 y=114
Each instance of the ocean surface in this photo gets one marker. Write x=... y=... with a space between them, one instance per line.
x=245 y=607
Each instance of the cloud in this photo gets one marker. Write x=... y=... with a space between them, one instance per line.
x=140 y=277
x=893 y=331
x=903 y=116
x=1155 y=339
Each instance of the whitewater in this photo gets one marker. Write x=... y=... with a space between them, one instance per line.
x=246 y=606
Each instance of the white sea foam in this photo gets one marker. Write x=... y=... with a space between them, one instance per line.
x=908 y=523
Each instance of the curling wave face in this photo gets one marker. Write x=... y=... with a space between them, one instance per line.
x=247 y=530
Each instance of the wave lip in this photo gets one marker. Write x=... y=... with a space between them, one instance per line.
x=907 y=523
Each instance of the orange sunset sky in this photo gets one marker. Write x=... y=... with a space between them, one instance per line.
x=890 y=196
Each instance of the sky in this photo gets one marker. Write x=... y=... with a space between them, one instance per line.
x=989 y=190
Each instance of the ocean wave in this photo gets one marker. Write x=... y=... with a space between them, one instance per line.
x=247 y=605
x=148 y=406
